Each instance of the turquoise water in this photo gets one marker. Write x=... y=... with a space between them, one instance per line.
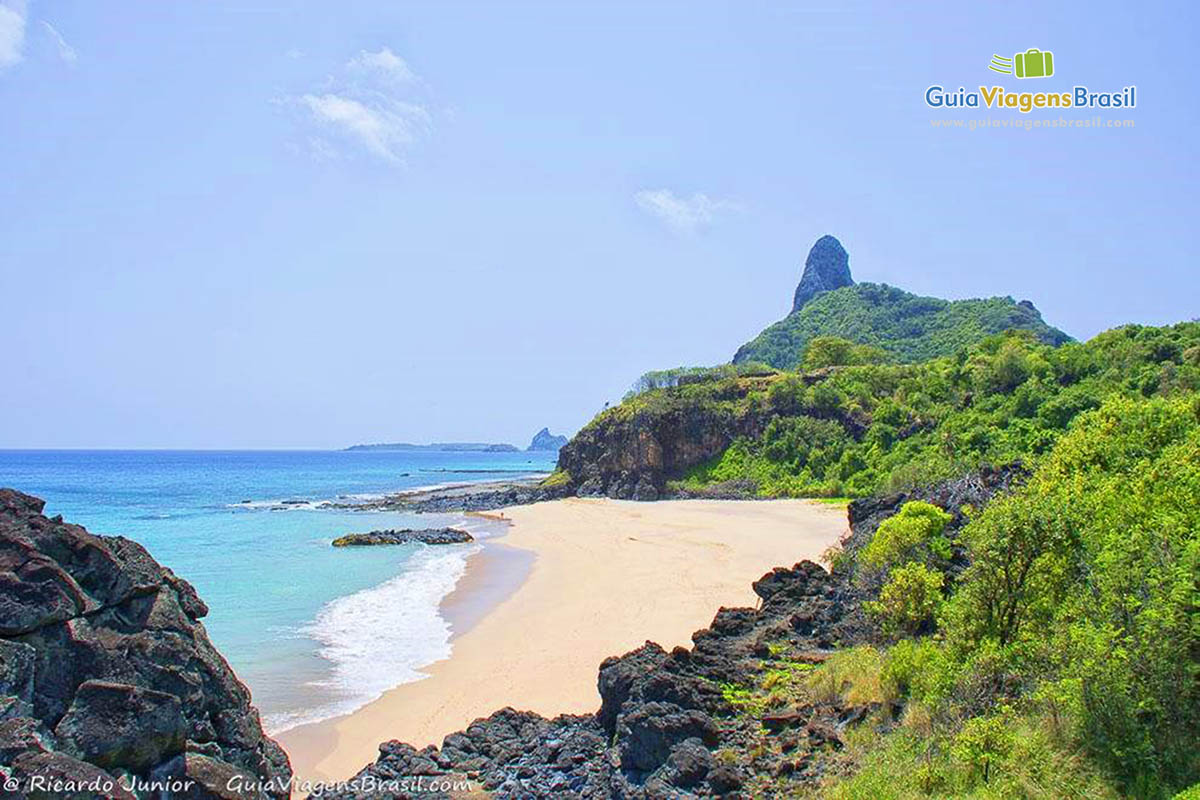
x=313 y=630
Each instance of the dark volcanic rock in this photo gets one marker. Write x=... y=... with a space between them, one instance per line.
x=118 y=725
x=648 y=734
x=106 y=672
x=405 y=536
x=482 y=499
x=826 y=268
x=545 y=440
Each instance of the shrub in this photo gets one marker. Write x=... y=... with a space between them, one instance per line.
x=903 y=536
x=909 y=600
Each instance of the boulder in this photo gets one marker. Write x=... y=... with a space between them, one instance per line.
x=118 y=725
x=646 y=736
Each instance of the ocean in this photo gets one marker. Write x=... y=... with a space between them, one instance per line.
x=314 y=631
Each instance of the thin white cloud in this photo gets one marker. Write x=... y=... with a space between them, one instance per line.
x=12 y=31
x=383 y=131
x=682 y=214
x=65 y=51
x=384 y=63
x=370 y=105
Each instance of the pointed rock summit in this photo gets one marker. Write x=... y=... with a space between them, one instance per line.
x=545 y=440
x=826 y=268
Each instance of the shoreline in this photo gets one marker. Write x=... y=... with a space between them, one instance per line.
x=600 y=578
x=492 y=574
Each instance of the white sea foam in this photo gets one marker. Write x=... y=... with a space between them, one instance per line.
x=381 y=637
x=283 y=504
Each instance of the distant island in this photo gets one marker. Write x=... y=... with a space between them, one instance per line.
x=545 y=440
x=442 y=447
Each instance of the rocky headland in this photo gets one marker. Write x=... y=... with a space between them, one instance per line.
x=433 y=536
x=107 y=676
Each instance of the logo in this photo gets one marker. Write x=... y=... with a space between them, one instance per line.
x=1033 y=63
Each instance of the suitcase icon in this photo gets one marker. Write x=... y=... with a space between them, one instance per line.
x=1034 y=63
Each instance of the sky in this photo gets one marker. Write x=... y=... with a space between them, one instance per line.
x=266 y=224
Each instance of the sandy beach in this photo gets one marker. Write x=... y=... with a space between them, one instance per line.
x=596 y=578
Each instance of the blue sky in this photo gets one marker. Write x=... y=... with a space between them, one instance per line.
x=261 y=224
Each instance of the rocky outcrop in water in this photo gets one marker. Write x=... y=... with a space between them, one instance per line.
x=826 y=268
x=107 y=676
x=545 y=440
x=405 y=536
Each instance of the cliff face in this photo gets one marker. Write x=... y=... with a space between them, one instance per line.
x=630 y=452
x=107 y=674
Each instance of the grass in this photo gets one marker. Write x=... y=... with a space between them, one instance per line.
x=852 y=677
x=560 y=477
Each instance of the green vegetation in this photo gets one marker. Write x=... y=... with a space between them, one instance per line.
x=560 y=477
x=916 y=530
x=904 y=326
x=834 y=351
x=678 y=376
x=1050 y=646
x=909 y=600
x=1065 y=662
x=871 y=428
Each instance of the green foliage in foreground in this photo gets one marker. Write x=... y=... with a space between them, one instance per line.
x=905 y=326
x=871 y=428
x=1067 y=661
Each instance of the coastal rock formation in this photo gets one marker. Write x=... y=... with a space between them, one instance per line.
x=544 y=440
x=826 y=268
x=481 y=497
x=405 y=536
x=107 y=674
x=632 y=455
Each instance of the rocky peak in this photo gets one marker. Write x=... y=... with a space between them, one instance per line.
x=826 y=268
x=545 y=440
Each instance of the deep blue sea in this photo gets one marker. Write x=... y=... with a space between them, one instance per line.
x=313 y=630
